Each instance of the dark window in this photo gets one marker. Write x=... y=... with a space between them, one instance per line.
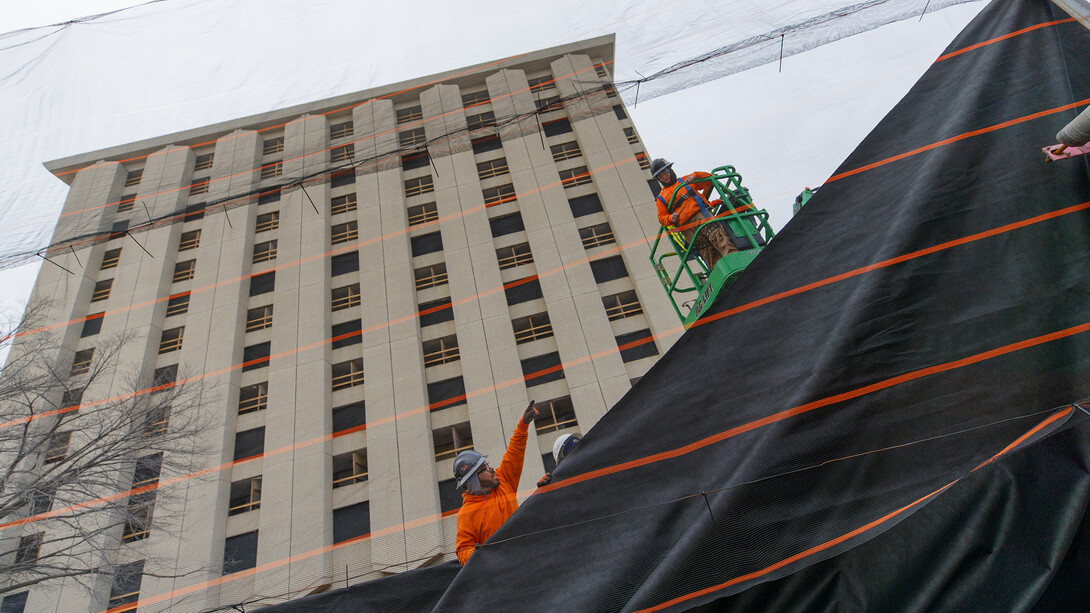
x=253 y=397
x=423 y=213
x=342 y=204
x=555 y=128
x=92 y=325
x=345 y=297
x=264 y=252
x=273 y=145
x=255 y=356
x=548 y=461
x=446 y=393
x=344 y=263
x=608 y=269
x=126 y=203
x=133 y=177
x=426 y=243
x=259 y=318
x=263 y=283
x=419 y=186
x=72 y=397
x=435 y=312
x=585 y=205
x=351 y=521
x=636 y=345
x=619 y=111
x=542 y=369
x=441 y=350
x=413 y=161
x=126 y=584
x=565 y=151
x=532 y=327
x=347 y=333
x=515 y=255
x=555 y=414
x=245 y=496
x=411 y=138
x=342 y=178
x=507 y=224
x=413 y=113
x=184 y=271
x=56 y=448
x=164 y=375
x=449 y=441
x=349 y=416
x=431 y=276
x=552 y=103
x=249 y=443
x=654 y=186
x=483 y=120
x=340 y=130
x=347 y=374
x=267 y=221
x=268 y=171
x=486 y=144
x=138 y=512
x=499 y=195
x=193 y=212
x=119 y=228
x=171 y=340
x=240 y=552
x=539 y=83
x=575 y=176
x=476 y=98
x=41 y=501
x=449 y=496
x=344 y=153
x=269 y=197
x=147 y=470
x=349 y=468
x=596 y=235
x=619 y=306
x=81 y=362
x=200 y=186
x=189 y=240
x=110 y=258
x=14 y=603
x=203 y=161
x=522 y=290
x=492 y=168
x=29 y=546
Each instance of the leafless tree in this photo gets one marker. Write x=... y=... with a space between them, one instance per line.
x=82 y=448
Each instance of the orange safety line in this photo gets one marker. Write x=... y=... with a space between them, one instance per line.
x=844 y=537
x=991 y=41
x=959 y=137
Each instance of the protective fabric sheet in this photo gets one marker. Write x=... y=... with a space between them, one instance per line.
x=878 y=415
x=414 y=590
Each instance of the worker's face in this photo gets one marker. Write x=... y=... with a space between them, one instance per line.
x=486 y=476
x=663 y=177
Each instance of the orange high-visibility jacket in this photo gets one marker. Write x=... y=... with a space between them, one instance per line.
x=480 y=516
x=684 y=205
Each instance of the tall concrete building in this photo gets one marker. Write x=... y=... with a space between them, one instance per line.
x=365 y=286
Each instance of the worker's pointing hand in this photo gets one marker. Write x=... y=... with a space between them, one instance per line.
x=530 y=414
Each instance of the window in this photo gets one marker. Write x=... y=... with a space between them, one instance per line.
x=347 y=333
x=164 y=375
x=147 y=470
x=273 y=195
x=600 y=70
x=555 y=414
x=138 y=513
x=547 y=105
x=240 y=552
x=516 y=255
x=653 y=185
x=641 y=159
x=27 y=551
x=441 y=350
x=413 y=113
x=542 y=369
x=344 y=263
x=608 y=269
x=189 y=240
x=253 y=398
x=575 y=176
x=350 y=417
x=259 y=318
x=446 y=393
x=126 y=203
x=267 y=221
x=263 y=283
x=92 y=325
x=610 y=90
x=539 y=83
x=486 y=119
x=273 y=169
x=619 y=112
x=431 y=276
x=556 y=127
x=450 y=499
x=452 y=440
x=596 y=235
x=343 y=204
x=193 y=212
x=82 y=362
x=637 y=345
x=171 y=340
x=412 y=138
x=565 y=151
x=630 y=134
x=249 y=443
x=340 y=130
x=133 y=177
x=343 y=233
x=423 y=214
x=349 y=468
x=177 y=304
x=426 y=243
x=486 y=144
x=418 y=186
x=14 y=603
x=436 y=311
x=119 y=229
x=532 y=328
x=157 y=420
x=200 y=186
x=344 y=153
x=255 y=356
x=476 y=98
x=125 y=588
x=204 y=161
x=183 y=271
x=351 y=522
x=102 y=290
x=56 y=447
x=348 y=374
x=523 y=290
x=71 y=398
x=499 y=195
x=342 y=178
x=413 y=161
x=245 y=496
x=273 y=145
x=619 y=306
x=264 y=252
x=492 y=168
x=345 y=297
x=110 y=259
x=506 y=224
x=548 y=461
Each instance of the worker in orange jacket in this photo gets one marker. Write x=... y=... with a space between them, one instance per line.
x=489 y=498
x=683 y=204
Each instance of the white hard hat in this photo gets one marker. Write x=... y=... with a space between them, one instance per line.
x=564 y=444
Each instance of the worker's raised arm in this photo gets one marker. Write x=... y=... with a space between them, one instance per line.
x=510 y=468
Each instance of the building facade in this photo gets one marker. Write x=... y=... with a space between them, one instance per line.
x=364 y=286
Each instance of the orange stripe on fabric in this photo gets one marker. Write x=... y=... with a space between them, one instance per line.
x=992 y=41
